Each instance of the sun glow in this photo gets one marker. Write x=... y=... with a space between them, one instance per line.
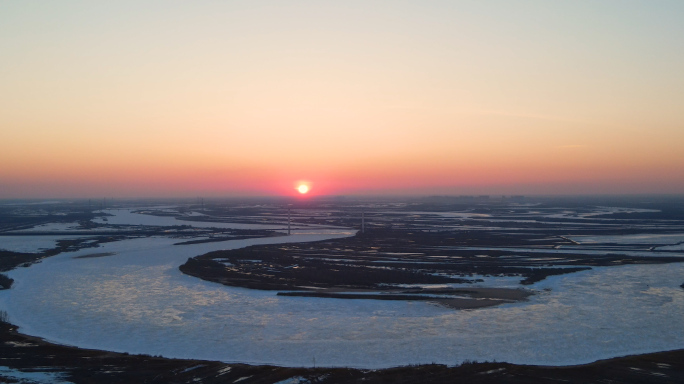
x=303 y=189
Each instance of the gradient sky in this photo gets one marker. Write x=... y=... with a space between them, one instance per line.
x=218 y=98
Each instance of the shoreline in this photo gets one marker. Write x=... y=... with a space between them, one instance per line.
x=23 y=354
x=462 y=298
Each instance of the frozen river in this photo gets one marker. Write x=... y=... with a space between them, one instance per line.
x=137 y=301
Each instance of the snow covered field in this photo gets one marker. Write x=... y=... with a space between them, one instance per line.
x=137 y=301
x=129 y=217
x=631 y=239
x=31 y=377
x=572 y=250
x=32 y=244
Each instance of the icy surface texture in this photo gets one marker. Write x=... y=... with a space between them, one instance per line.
x=32 y=244
x=31 y=377
x=137 y=301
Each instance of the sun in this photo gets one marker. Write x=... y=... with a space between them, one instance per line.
x=303 y=189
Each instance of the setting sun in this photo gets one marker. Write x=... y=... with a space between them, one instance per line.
x=303 y=189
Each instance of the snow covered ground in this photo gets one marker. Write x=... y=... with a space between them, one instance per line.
x=129 y=217
x=571 y=250
x=137 y=301
x=32 y=244
x=644 y=238
x=51 y=227
x=31 y=376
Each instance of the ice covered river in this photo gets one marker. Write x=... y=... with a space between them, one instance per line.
x=137 y=301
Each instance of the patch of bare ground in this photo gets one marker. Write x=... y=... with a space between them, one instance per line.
x=453 y=298
x=91 y=255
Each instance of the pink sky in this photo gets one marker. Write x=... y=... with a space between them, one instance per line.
x=250 y=98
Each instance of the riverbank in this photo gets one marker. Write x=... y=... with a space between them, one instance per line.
x=454 y=298
x=23 y=354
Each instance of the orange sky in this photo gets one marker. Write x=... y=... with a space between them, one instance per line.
x=248 y=98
